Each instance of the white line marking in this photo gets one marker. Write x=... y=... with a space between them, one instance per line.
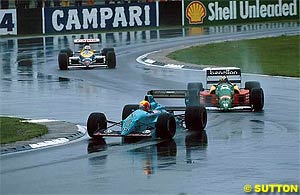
x=57 y=141
x=49 y=143
x=82 y=129
x=139 y=60
x=174 y=66
x=149 y=61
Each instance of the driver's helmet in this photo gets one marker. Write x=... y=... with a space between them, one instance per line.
x=87 y=47
x=144 y=105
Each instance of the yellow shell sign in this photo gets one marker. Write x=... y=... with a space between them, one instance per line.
x=195 y=12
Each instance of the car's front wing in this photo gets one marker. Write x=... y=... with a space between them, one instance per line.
x=94 y=65
x=114 y=133
x=233 y=108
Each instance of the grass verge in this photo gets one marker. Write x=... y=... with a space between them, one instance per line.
x=12 y=130
x=272 y=56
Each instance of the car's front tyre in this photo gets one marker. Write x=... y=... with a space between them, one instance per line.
x=96 y=121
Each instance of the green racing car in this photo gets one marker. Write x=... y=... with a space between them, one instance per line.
x=223 y=93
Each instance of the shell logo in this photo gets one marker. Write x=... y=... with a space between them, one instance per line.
x=195 y=12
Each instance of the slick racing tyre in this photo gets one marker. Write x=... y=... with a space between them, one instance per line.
x=63 y=61
x=251 y=85
x=128 y=109
x=105 y=50
x=111 y=59
x=257 y=99
x=195 y=118
x=195 y=86
x=165 y=126
x=193 y=96
x=96 y=121
x=68 y=51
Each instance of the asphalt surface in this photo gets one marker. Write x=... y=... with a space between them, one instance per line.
x=236 y=149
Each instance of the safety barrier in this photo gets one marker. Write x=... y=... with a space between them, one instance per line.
x=95 y=18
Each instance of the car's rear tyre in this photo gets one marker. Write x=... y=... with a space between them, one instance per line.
x=96 y=121
x=256 y=95
x=63 y=61
x=196 y=86
x=193 y=94
x=68 y=51
x=195 y=118
x=128 y=109
x=111 y=59
x=165 y=126
x=257 y=99
x=251 y=85
x=105 y=50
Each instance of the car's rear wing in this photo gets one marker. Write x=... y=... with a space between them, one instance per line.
x=213 y=75
x=85 y=41
x=167 y=93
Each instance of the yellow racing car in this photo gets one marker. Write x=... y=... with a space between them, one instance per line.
x=86 y=57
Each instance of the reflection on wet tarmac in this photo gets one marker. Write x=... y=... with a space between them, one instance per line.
x=196 y=140
x=153 y=157
x=166 y=148
x=96 y=145
x=257 y=126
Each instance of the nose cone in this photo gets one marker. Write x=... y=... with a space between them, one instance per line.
x=87 y=62
x=225 y=104
x=124 y=132
x=127 y=127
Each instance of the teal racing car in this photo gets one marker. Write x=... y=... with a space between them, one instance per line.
x=158 y=122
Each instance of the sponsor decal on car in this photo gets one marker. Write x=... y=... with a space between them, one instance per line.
x=220 y=72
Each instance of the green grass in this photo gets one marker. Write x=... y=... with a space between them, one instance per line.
x=272 y=56
x=12 y=130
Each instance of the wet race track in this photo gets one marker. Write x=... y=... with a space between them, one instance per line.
x=237 y=148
